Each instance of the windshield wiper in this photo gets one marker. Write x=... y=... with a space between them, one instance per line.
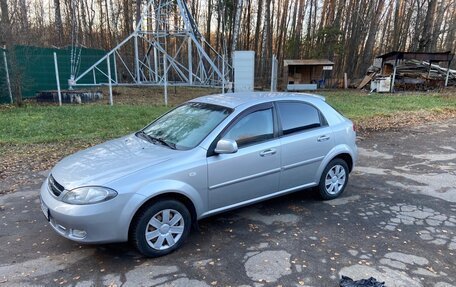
x=143 y=135
x=154 y=140
x=162 y=141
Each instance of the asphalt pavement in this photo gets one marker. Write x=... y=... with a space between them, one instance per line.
x=396 y=222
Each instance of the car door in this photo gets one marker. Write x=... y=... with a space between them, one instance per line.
x=254 y=170
x=306 y=139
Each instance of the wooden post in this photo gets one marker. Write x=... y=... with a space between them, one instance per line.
x=345 y=81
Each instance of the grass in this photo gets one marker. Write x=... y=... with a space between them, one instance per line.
x=361 y=106
x=43 y=124
x=94 y=122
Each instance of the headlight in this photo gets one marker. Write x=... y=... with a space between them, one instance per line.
x=89 y=195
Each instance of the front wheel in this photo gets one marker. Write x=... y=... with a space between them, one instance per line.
x=334 y=179
x=161 y=228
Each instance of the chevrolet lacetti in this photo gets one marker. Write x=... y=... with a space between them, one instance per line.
x=206 y=156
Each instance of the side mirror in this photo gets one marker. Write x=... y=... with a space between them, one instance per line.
x=225 y=146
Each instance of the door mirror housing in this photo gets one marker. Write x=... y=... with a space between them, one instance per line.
x=226 y=146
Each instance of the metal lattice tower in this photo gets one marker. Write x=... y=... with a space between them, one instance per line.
x=166 y=48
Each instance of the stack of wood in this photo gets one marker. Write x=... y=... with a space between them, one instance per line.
x=414 y=75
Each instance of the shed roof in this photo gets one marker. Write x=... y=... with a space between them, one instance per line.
x=432 y=57
x=308 y=62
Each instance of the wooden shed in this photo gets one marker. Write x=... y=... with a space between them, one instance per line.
x=307 y=74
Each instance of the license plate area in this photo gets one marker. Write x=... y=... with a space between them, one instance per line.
x=45 y=210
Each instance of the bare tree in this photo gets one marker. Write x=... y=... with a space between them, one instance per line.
x=237 y=23
x=58 y=23
x=428 y=24
x=5 y=23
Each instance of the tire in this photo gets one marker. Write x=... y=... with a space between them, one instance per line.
x=334 y=179
x=160 y=228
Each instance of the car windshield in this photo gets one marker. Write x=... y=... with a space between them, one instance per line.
x=186 y=126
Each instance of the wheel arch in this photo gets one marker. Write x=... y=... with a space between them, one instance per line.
x=171 y=195
x=343 y=152
x=347 y=158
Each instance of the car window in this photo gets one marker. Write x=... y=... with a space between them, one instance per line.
x=187 y=125
x=298 y=116
x=254 y=127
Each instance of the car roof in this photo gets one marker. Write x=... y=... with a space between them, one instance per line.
x=233 y=100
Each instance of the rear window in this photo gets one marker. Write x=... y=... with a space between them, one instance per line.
x=298 y=117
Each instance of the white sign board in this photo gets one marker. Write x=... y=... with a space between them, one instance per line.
x=327 y=68
x=244 y=71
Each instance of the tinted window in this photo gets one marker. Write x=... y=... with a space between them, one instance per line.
x=255 y=127
x=298 y=116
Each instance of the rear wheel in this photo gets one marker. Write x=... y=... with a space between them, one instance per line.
x=334 y=179
x=161 y=228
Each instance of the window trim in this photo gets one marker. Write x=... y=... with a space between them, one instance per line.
x=323 y=121
x=241 y=115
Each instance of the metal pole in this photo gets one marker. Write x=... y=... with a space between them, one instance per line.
x=448 y=73
x=394 y=77
x=110 y=81
x=190 y=62
x=7 y=76
x=429 y=70
x=137 y=60
x=57 y=78
x=223 y=74
x=155 y=64
x=272 y=73
x=116 y=80
x=165 y=77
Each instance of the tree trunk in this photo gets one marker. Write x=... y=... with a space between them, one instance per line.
x=58 y=23
x=296 y=37
x=237 y=23
x=426 y=37
x=266 y=31
x=257 y=26
x=370 y=42
x=208 y=22
x=138 y=11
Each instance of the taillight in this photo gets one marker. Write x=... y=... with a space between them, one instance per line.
x=354 y=127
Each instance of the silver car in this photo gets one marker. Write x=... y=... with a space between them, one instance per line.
x=206 y=156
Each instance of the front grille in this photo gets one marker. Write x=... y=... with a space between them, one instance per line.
x=55 y=187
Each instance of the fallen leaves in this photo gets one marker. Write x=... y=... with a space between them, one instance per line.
x=402 y=120
x=24 y=164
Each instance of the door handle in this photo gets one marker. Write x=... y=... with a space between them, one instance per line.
x=323 y=138
x=268 y=152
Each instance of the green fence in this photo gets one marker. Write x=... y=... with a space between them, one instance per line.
x=4 y=95
x=36 y=68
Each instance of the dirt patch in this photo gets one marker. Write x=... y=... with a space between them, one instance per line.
x=154 y=95
x=402 y=120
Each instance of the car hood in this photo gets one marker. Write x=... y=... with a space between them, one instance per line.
x=108 y=161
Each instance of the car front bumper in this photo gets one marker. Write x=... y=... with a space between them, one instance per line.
x=102 y=222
